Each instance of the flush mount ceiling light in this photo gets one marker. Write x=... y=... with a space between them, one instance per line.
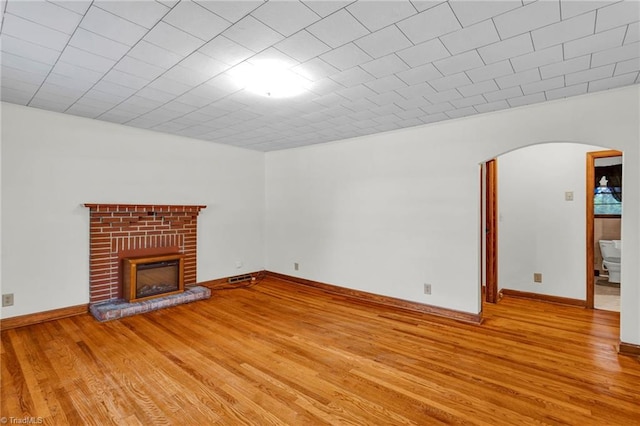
x=270 y=78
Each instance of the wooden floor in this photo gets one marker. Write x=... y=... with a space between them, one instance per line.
x=282 y=353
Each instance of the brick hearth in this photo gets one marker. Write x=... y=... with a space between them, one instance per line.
x=129 y=230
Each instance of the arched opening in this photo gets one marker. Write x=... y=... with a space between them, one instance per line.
x=539 y=230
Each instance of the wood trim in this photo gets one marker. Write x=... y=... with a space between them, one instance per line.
x=543 y=297
x=590 y=186
x=629 y=349
x=383 y=300
x=40 y=317
x=491 y=231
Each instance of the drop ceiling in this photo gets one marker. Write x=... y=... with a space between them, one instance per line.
x=371 y=66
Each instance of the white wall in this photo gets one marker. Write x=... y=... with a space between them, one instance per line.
x=538 y=230
x=373 y=214
x=53 y=163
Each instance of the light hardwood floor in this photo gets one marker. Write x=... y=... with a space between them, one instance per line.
x=283 y=353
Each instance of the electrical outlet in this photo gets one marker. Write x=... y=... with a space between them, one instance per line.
x=537 y=277
x=7 y=299
x=568 y=196
x=296 y=266
x=427 y=288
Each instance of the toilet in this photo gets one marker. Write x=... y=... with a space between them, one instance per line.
x=611 y=251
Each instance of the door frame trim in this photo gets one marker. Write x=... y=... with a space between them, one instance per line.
x=591 y=162
x=491 y=231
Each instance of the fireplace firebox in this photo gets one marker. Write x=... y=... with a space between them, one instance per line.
x=155 y=276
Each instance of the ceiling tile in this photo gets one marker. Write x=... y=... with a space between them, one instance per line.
x=91 y=42
x=613 y=82
x=286 y=18
x=384 y=13
x=628 y=51
x=186 y=76
x=447 y=95
x=231 y=10
x=543 y=85
x=409 y=104
x=424 y=53
x=302 y=46
x=538 y=58
x=173 y=39
x=519 y=79
x=492 y=106
x=497 y=69
x=628 y=66
x=76 y=73
x=565 y=67
x=45 y=14
x=346 y=56
x=595 y=43
x=512 y=92
x=352 y=77
x=28 y=50
x=439 y=107
x=325 y=86
x=78 y=6
x=386 y=84
x=203 y=64
x=430 y=24
x=196 y=20
x=252 y=34
x=315 y=69
x=471 y=37
x=419 y=74
x=422 y=5
x=564 y=92
x=111 y=26
x=472 y=12
x=527 y=18
x=87 y=60
x=33 y=33
x=169 y=85
x=384 y=66
x=338 y=29
x=139 y=68
x=450 y=82
x=153 y=54
x=568 y=30
x=462 y=112
x=144 y=13
x=416 y=90
x=633 y=33
x=527 y=100
x=479 y=88
x=155 y=94
x=458 y=63
x=124 y=79
x=621 y=13
x=225 y=50
x=571 y=8
x=383 y=42
x=515 y=46
x=326 y=8
x=589 y=75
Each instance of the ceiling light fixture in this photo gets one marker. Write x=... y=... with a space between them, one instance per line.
x=270 y=78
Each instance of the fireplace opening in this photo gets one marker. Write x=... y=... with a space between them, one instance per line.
x=148 y=277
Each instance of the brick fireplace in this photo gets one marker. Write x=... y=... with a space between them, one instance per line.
x=119 y=231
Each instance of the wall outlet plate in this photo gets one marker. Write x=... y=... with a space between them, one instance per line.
x=7 y=299
x=296 y=266
x=427 y=288
x=537 y=277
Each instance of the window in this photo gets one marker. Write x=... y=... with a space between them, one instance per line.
x=604 y=202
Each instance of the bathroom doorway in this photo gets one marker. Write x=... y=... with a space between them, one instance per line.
x=603 y=220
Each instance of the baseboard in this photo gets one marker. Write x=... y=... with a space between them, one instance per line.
x=40 y=317
x=543 y=297
x=383 y=300
x=629 y=349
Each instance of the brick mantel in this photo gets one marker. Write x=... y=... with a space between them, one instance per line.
x=128 y=230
